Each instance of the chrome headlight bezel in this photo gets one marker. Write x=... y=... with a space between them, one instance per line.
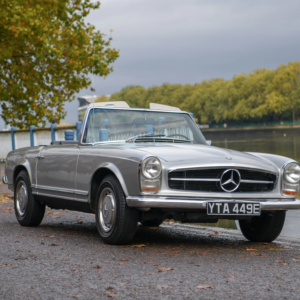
x=148 y=184
x=288 y=176
x=289 y=187
x=149 y=160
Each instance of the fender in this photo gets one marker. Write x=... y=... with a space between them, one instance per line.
x=114 y=169
x=22 y=163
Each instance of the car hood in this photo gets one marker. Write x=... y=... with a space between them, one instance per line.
x=204 y=154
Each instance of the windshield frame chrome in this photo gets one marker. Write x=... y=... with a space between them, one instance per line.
x=90 y=108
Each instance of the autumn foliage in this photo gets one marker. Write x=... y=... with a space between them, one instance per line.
x=261 y=96
x=46 y=53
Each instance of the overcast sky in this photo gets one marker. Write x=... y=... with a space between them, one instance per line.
x=187 y=41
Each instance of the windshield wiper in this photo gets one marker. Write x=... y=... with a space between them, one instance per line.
x=132 y=139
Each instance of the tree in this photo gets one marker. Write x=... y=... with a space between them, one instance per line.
x=46 y=54
x=286 y=91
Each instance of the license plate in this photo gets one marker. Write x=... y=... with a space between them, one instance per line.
x=233 y=208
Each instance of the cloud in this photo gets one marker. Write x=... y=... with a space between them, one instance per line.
x=192 y=40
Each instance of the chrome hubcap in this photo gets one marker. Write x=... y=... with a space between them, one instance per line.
x=107 y=209
x=22 y=198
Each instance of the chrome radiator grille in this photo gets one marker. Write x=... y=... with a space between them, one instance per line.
x=235 y=180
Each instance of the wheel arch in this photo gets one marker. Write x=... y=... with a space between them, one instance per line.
x=99 y=174
x=23 y=165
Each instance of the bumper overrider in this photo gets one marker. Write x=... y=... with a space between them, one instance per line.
x=188 y=203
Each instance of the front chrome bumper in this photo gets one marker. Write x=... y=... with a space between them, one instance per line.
x=167 y=202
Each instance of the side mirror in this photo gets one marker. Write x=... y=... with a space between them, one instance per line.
x=208 y=143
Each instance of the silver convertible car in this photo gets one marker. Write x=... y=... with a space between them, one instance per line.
x=146 y=165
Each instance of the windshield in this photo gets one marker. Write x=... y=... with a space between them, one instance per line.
x=105 y=124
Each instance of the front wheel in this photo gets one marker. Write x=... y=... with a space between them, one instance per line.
x=28 y=210
x=265 y=228
x=116 y=221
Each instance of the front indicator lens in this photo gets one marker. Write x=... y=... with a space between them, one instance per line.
x=150 y=186
x=290 y=189
x=292 y=173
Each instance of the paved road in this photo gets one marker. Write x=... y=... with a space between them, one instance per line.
x=65 y=259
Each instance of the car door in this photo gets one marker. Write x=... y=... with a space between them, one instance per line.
x=56 y=171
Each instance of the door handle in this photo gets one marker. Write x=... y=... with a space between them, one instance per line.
x=39 y=156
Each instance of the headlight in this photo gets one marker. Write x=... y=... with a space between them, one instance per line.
x=151 y=167
x=292 y=173
x=150 y=175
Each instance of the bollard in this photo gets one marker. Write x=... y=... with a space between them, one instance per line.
x=31 y=127
x=149 y=128
x=69 y=135
x=103 y=135
x=78 y=128
x=13 y=143
x=53 y=132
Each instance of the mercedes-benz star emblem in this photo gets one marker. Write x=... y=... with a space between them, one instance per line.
x=230 y=180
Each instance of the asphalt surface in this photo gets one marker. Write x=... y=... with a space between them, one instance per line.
x=64 y=258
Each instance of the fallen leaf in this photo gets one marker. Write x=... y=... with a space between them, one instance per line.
x=296 y=259
x=173 y=252
x=8 y=265
x=110 y=288
x=80 y=222
x=138 y=246
x=251 y=249
x=212 y=235
x=204 y=287
x=97 y=267
x=197 y=265
x=4 y=193
x=50 y=236
x=123 y=246
x=285 y=264
x=259 y=254
x=273 y=249
x=204 y=253
x=154 y=227
x=165 y=269
x=216 y=232
x=111 y=295
x=123 y=260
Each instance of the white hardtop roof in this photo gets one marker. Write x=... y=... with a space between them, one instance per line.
x=110 y=104
x=158 y=106
x=123 y=104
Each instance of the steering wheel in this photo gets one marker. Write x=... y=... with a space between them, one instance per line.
x=178 y=134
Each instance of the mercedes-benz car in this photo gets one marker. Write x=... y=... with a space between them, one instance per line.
x=134 y=165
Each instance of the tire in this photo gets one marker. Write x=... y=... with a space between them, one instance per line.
x=116 y=221
x=29 y=212
x=152 y=223
x=265 y=228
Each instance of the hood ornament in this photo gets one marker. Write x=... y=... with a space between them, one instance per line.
x=230 y=180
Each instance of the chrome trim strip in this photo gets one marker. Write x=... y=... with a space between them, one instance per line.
x=255 y=181
x=217 y=180
x=165 y=202
x=55 y=189
x=60 y=197
x=195 y=179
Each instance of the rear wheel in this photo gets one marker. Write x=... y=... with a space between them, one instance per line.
x=116 y=221
x=265 y=228
x=29 y=212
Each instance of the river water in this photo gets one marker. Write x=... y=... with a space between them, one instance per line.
x=282 y=142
